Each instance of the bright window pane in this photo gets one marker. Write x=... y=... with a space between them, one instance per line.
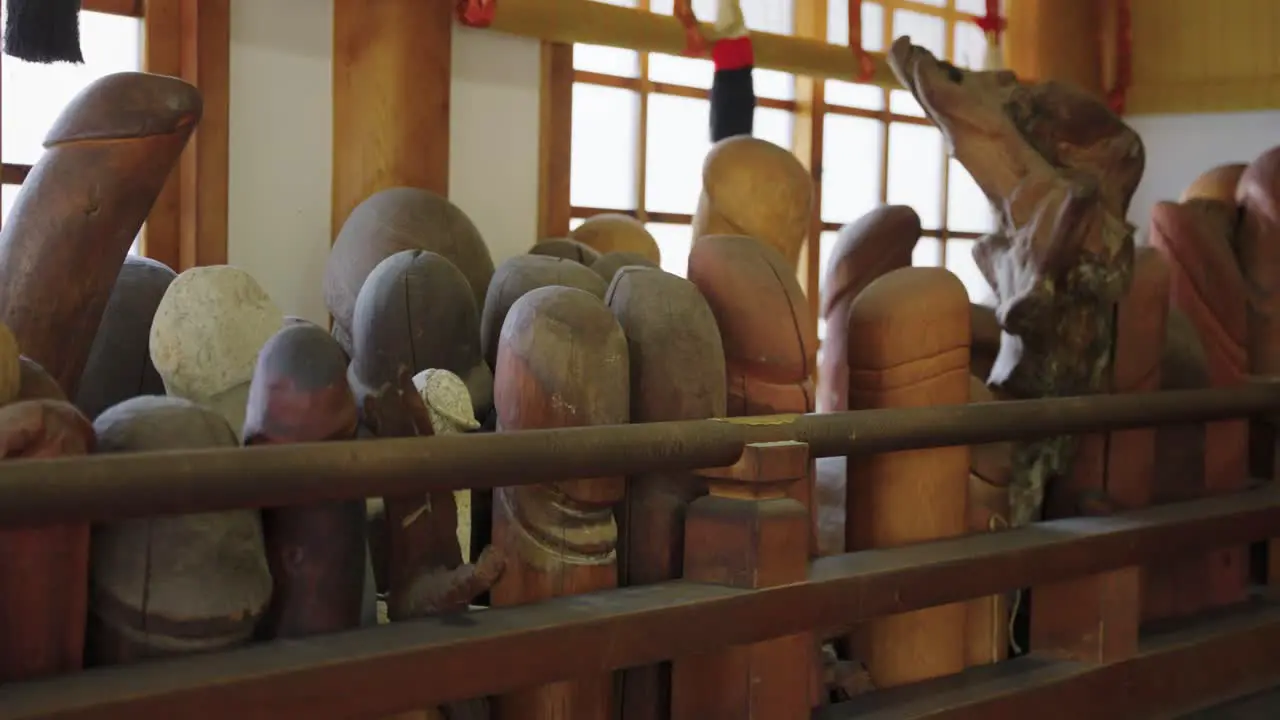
x=851 y=152
x=872 y=24
x=960 y=261
x=826 y=245
x=778 y=17
x=607 y=60
x=839 y=92
x=34 y=94
x=927 y=31
x=677 y=143
x=970 y=47
x=902 y=102
x=968 y=209
x=602 y=166
x=679 y=70
x=915 y=171
x=927 y=253
x=574 y=223
x=673 y=242
x=775 y=126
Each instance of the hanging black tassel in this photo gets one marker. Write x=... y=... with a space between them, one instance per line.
x=733 y=95
x=43 y=31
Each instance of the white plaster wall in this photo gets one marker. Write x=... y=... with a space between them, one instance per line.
x=1181 y=147
x=281 y=130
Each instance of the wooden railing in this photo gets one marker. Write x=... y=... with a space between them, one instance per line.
x=744 y=585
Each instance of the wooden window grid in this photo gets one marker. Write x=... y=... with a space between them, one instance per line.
x=810 y=20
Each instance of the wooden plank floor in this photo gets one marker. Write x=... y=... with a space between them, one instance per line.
x=1261 y=706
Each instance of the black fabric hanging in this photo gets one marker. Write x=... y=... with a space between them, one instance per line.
x=43 y=31
x=733 y=95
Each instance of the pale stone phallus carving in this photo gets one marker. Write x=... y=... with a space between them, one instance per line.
x=206 y=336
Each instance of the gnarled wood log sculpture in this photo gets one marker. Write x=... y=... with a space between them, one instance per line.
x=388 y=222
x=119 y=365
x=106 y=159
x=299 y=393
x=394 y=340
x=207 y=332
x=614 y=232
x=562 y=362
x=909 y=347
x=43 y=570
x=1209 y=289
x=754 y=188
x=1064 y=168
x=878 y=243
x=566 y=249
x=180 y=584
x=610 y=263
x=769 y=342
x=677 y=371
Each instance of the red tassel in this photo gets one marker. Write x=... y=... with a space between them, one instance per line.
x=866 y=65
x=476 y=13
x=992 y=23
x=1124 y=58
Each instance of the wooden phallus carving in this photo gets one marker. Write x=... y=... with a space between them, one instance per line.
x=1259 y=252
x=316 y=552
x=908 y=341
x=763 y=316
x=521 y=274
x=106 y=158
x=180 y=584
x=566 y=249
x=1209 y=289
x=615 y=232
x=207 y=332
x=119 y=365
x=1063 y=169
x=754 y=188
x=878 y=243
x=563 y=361
x=388 y=222
x=677 y=370
x=610 y=263
x=425 y=314
x=1217 y=183
x=393 y=340
x=44 y=570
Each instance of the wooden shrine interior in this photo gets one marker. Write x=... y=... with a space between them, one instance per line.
x=1145 y=601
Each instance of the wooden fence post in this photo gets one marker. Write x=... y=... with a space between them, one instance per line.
x=748 y=534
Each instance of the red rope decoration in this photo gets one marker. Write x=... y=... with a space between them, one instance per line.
x=695 y=44
x=1124 y=58
x=476 y=13
x=866 y=66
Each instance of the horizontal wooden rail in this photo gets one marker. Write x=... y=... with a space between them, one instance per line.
x=598 y=23
x=1175 y=672
x=125 y=485
x=379 y=671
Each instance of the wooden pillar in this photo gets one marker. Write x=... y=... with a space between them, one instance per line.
x=1055 y=40
x=555 y=141
x=391 y=84
x=806 y=143
x=191 y=39
x=747 y=533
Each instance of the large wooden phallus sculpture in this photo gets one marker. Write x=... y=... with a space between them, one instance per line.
x=1062 y=168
